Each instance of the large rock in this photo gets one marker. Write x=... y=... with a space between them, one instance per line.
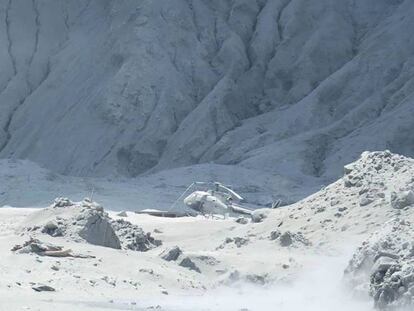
x=98 y=230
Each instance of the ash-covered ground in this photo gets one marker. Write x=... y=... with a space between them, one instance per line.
x=346 y=247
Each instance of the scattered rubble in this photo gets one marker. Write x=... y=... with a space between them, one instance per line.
x=361 y=173
x=236 y=276
x=237 y=241
x=208 y=260
x=257 y=279
x=173 y=254
x=133 y=237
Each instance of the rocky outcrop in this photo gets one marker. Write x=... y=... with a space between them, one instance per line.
x=88 y=221
x=236 y=241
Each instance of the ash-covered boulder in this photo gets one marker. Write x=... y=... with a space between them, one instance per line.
x=242 y=220
x=42 y=288
x=189 y=264
x=384 y=265
x=275 y=235
x=171 y=254
x=402 y=199
x=239 y=241
x=260 y=215
x=62 y=202
x=53 y=228
x=35 y=246
x=365 y=199
x=97 y=229
x=289 y=238
x=286 y=239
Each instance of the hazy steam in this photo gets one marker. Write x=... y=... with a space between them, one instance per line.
x=320 y=289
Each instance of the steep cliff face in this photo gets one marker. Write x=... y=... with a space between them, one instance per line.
x=290 y=87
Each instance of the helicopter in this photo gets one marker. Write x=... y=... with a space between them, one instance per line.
x=208 y=198
x=216 y=199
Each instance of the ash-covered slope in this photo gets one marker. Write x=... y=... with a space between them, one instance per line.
x=290 y=87
x=372 y=205
x=375 y=189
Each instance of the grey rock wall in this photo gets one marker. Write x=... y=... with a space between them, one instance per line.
x=296 y=88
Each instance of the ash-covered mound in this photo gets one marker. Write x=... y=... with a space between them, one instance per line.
x=374 y=189
x=384 y=265
x=381 y=176
x=374 y=165
x=87 y=221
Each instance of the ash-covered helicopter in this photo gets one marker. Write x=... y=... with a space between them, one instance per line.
x=217 y=199
x=207 y=198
